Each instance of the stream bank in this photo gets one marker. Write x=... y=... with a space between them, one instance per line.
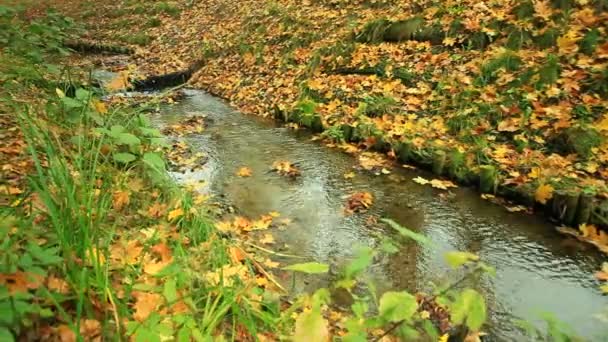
x=537 y=270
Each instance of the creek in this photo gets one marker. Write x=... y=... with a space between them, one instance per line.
x=537 y=269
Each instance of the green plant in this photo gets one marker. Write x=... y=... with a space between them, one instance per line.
x=137 y=39
x=397 y=313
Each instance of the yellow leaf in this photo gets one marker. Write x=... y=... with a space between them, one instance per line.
x=535 y=173
x=421 y=180
x=268 y=239
x=100 y=107
x=244 y=172
x=349 y=175
x=175 y=213
x=543 y=193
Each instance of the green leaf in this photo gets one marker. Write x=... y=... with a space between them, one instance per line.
x=5 y=335
x=423 y=240
x=170 y=291
x=154 y=160
x=469 y=308
x=150 y=132
x=124 y=158
x=456 y=259
x=308 y=267
x=47 y=256
x=311 y=326
x=183 y=335
x=70 y=103
x=364 y=258
x=115 y=131
x=82 y=95
x=127 y=139
x=397 y=306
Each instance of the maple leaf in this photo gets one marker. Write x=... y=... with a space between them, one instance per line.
x=145 y=304
x=243 y=223
x=120 y=199
x=286 y=168
x=442 y=184
x=57 y=285
x=268 y=239
x=175 y=213
x=349 y=175
x=271 y=264
x=99 y=107
x=20 y=281
x=157 y=210
x=244 y=172
x=543 y=193
x=421 y=180
x=359 y=201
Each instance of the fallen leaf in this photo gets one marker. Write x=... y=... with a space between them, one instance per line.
x=359 y=201
x=543 y=193
x=268 y=239
x=442 y=184
x=244 y=172
x=175 y=213
x=145 y=304
x=120 y=199
x=421 y=180
x=349 y=175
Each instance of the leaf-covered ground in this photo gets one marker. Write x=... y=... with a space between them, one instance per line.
x=516 y=85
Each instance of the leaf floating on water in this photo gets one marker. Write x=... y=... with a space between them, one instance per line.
x=349 y=175
x=268 y=239
x=358 y=202
x=286 y=168
x=442 y=184
x=244 y=172
x=420 y=180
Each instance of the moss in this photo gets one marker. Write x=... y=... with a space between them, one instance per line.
x=579 y=139
x=153 y=22
x=403 y=29
x=137 y=39
x=589 y=42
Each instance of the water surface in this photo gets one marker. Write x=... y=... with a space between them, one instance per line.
x=536 y=270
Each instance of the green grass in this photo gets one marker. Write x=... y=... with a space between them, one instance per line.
x=139 y=38
x=68 y=223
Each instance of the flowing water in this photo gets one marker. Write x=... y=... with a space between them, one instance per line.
x=536 y=270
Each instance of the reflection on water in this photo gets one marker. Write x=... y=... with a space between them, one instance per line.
x=535 y=270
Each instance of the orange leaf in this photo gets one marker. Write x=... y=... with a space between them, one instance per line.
x=120 y=199
x=145 y=304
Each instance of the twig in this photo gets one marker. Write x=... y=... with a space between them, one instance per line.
x=115 y=309
x=270 y=251
x=389 y=330
x=262 y=270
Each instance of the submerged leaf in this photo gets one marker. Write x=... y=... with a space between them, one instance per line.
x=407 y=233
x=308 y=267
